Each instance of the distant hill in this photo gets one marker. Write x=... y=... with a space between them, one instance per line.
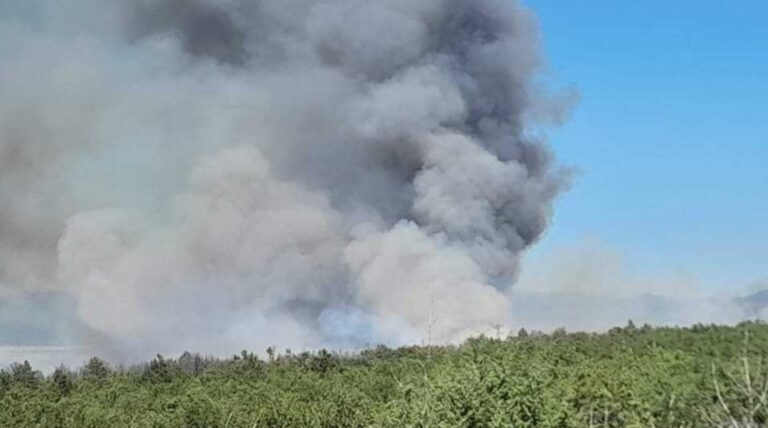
x=598 y=312
x=754 y=304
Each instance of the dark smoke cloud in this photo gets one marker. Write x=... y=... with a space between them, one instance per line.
x=218 y=174
x=203 y=29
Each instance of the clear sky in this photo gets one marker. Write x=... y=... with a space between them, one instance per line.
x=670 y=135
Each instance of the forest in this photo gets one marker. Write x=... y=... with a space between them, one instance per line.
x=699 y=376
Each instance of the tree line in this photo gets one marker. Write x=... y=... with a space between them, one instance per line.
x=699 y=376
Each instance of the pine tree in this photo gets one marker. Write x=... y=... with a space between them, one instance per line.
x=96 y=369
x=62 y=380
x=24 y=374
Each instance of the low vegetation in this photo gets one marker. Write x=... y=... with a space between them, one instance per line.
x=703 y=376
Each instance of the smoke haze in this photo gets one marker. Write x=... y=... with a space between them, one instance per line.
x=216 y=175
x=589 y=286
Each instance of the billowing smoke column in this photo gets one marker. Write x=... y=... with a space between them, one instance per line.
x=225 y=174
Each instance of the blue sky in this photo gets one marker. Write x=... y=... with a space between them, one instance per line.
x=670 y=135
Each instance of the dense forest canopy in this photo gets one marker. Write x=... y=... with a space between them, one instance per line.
x=631 y=376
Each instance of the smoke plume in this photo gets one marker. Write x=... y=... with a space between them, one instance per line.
x=224 y=174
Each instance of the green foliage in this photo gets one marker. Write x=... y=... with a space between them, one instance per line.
x=161 y=370
x=61 y=381
x=96 y=370
x=22 y=374
x=629 y=377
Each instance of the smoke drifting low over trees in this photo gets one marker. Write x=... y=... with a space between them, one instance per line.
x=206 y=174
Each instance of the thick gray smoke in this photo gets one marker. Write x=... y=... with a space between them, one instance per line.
x=225 y=174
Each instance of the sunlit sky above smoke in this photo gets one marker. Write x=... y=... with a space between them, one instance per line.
x=670 y=135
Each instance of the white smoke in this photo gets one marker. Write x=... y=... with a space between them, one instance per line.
x=589 y=286
x=219 y=175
